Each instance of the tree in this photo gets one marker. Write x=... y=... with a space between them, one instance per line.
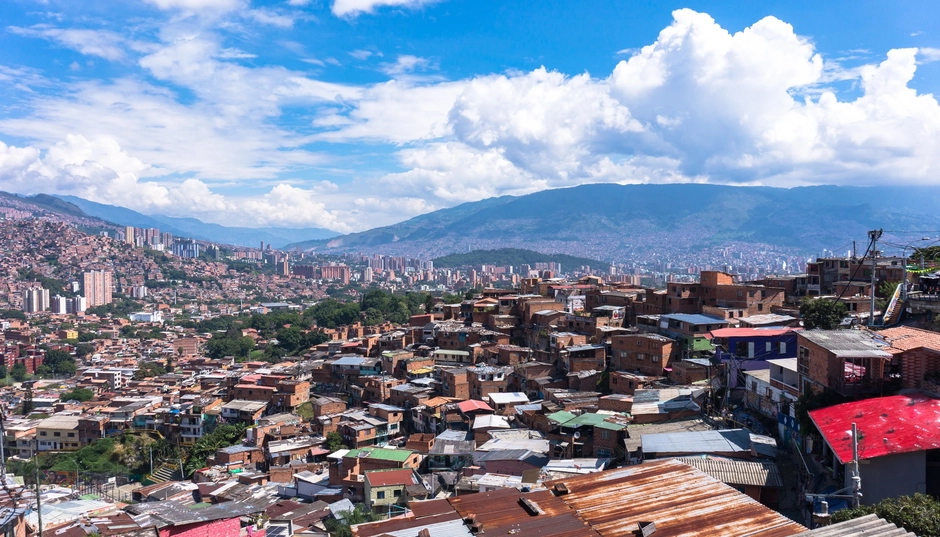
x=358 y=515
x=918 y=514
x=146 y=370
x=60 y=362
x=334 y=442
x=84 y=349
x=4 y=372
x=27 y=398
x=78 y=394
x=18 y=372
x=821 y=313
x=429 y=303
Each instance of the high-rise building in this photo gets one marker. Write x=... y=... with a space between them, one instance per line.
x=186 y=248
x=35 y=299
x=96 y=288
x=129 y=235
x=367 y=275
x=77 y=305
x=60 y=305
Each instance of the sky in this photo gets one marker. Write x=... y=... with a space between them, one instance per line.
x=352 y=114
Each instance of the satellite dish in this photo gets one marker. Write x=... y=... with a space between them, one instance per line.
x=577 y=435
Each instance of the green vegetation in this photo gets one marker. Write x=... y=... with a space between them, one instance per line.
x=205 y=447
x=120 y=307
x=57 y=362
x=821 y=313
x=511 y=256
x=331 y=313
x=232 y=343
x=12 y=314
x=918 y=514
x=334 y=442
x=305 y=411
x=18 y=372
x=148 y=370
x=359 y=515
x=55 y=287
x=78 y=394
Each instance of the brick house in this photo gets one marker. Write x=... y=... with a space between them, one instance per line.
x=848 y=362
x=647 y=354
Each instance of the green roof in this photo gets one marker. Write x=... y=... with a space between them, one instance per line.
x=561 y=417
x=591 y=419
x=397 y=455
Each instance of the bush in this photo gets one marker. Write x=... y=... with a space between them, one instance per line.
x=919 y=514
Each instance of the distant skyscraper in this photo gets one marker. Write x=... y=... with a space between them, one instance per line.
x=96 y=288
x=367 y=275
x=129 y=235
x=35 y=299
x=186 y=248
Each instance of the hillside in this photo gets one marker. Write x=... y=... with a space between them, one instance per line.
x=633 y=222
x=511 y=256
x=196 y=229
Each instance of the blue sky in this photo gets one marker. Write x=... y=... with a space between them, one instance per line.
x=348 y=114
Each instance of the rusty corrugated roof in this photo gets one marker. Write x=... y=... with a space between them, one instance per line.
x=680 y=500
x=502 y=512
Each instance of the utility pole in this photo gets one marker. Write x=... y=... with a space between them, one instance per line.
x=856 y=478
x=874 y=235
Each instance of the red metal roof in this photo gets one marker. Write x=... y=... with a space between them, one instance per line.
x=886 y=425
x=385 y=478
x=752 y=332
x=472 y=404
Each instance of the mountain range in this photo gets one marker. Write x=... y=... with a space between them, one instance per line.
x=629 y=222
x=196 y=229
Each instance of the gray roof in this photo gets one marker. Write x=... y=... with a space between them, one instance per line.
x=172 y=513
x=869 y=526
x=735 y=472
x=724 y=441
x=452 y=447
x=451 y=528
x=846 y=343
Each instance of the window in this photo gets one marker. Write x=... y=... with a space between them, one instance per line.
x=42 y=433
x=760 y=306
x=639 y=342
x=380 y=495
x=397 y=493
x=71 y=435
x=602 y=452
x=56 y=434
x=750 y=349
x=803 y=361
x=769 y=347
x=783 y=347
x=654 y=357
x=640 y=357
x=605 y=434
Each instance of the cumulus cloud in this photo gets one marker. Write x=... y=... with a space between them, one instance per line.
x=100 y=170
x=354 y=8
x=699 y=104
x=199 y=5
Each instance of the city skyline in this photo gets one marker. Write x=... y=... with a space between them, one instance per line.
x=351 y=115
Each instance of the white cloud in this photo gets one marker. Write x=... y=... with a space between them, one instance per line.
x=354 y=8
x=700 y=104
x=270 y=17
x=101 y=43
x=220 y=6
x=406 y=63
x=361 y=54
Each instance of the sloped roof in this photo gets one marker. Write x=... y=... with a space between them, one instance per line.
x=886 y=425
x=735 y=472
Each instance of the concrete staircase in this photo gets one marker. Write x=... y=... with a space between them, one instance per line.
x=165 y=472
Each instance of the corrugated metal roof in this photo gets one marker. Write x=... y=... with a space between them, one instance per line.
x=724 y=441
x=868 y=525
x=886 y=425
x=846 y=343
x=735 y=472
x=501 y=512
x=681 y=500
